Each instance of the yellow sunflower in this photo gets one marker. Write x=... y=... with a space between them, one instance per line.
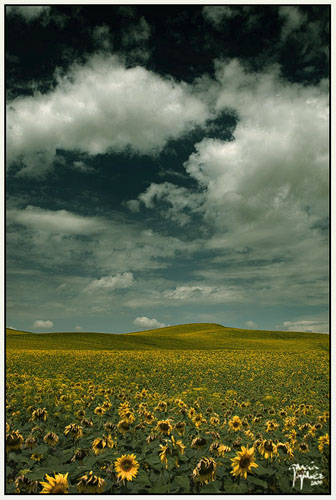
x=40 y=414
x=126 y=467
x=180 y=428
x=123 y=426
x=205 y=471
x=164 y=427
x=222 y=449
x=24 y=485
x=267 y=448
x=323 y=441
x=55 y=485
x=243 y=462
x=89 y=483
x=235 y=423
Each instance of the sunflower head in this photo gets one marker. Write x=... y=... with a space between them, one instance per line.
x=79 y=455
x=164 y=427
x=303 y=447
x=123 y=426
x=126 y=467
x=89 y=483
x=56 y=485
x=205 y=471
x=222 y=449
x=198 y=442
x=25 y=485
x=268 y=448
x=235 y=423
x=74 y=430
x=14 y=441
x=51 y=439
x=180 y=428
x=40 y=414
x=243 y=462
x=31 y=442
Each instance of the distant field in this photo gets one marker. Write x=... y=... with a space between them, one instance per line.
x=193 y=336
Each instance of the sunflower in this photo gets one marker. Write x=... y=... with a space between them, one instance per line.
x=40 y=414
x=214 y=447
x=126 y=467
x=164 y=450
x=164 y=427
x=243 y=462
x=89 y=483
x=123 y=426
x=14 y=441
x=149 y=417
x=222 y=449
x=36 y=456
x=99 y=444
x=286 y=449
x=31 y=442
x=198 y=420
x=109 y=426
x=25 y=485
x=180 y=428
x=214 y=421
x=79 y=455
x=198 y=442
x=128 y=416
x=51 y=439
x=7 y=428
x=74 y=430
x=205 y=471
x=235 y=423
x=56 y=485
x=303 y=447
x=86 y=422
x=267 y=448
x=323 y=441
x=271 y=425
x=99 y=410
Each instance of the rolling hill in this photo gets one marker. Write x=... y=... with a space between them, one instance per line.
x=194 y=336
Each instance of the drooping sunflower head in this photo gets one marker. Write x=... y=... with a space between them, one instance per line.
x=164 y=427
x=51 y=439
x=198 y=442
x=126 y=467
x=99 y=410
x=55 y=485
x=109 y=426
x=222 y=449
x=89 y=483
x=123 y=426
x=79 y=455
x=98 y=445
x=205 y=471
x=268 y=448
x=14 y=441
x=40 y=414
x=31 y=442
x=243 y=462
x=180 y=428
x=73 y=430
x=25 y=485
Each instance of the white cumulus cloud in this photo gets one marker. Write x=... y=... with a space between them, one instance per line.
x=40 y=323
x=145 y=322
x=305 y=326
x=120 y=280
x=98 y=107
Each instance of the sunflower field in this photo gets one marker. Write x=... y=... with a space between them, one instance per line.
x=144 y=422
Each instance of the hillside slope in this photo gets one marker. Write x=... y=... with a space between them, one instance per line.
x=192 y=336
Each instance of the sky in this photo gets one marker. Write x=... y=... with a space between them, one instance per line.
x=167 y=165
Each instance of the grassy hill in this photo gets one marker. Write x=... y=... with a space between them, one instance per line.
x=189 y=337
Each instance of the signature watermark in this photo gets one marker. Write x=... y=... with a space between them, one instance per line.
x=310 y=472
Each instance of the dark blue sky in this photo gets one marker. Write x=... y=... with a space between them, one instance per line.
x=167 y=164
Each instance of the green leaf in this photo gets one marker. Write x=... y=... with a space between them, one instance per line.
x=183 y=482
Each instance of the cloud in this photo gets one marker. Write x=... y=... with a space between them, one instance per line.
x=58 y=221
x=216 y=14
x=78 y=328
x=121 y=280
x=293 y=18
x=251 y=324
x=305 y=326
x=40 y=323
x=144 y=322
x=28 y=13
x=130 y=110
x=262 y=196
